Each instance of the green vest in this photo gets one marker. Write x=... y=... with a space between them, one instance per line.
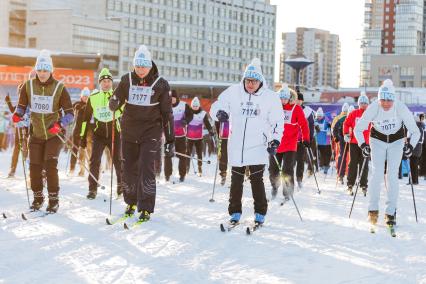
x=100 y=104
x=40 y=122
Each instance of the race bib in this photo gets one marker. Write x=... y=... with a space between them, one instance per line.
x=386 y=126
x=104 y=114
x=42 y=104
x=250 y=110
x=140 y=96
x=287 y=116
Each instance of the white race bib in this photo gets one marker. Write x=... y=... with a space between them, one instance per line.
x=104 y=114
x=386 y=126
x=250 y=110
x=140 y=95
x=41 y=104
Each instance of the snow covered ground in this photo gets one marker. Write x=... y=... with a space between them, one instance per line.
x=183 y=244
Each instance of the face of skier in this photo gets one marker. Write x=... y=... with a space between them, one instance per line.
x=385 y=104
x=363 y=106
x=251 y=85
x=173 y=100
x=195 y=108
x=43 y=75
x=285 y=101
x=142 y=71
x=84 y=99
x=106 y=85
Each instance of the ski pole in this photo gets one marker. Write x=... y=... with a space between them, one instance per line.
x=217 y=168
x=112 y=158
x=23 y=165
x=192 y=158
x=357 y=185
x=87 y=169
x=412 y=192
x=309 y=152
x=291 y=195
x=341 y=164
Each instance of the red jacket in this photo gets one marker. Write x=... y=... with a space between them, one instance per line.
x=294 y=119
x=349 y=126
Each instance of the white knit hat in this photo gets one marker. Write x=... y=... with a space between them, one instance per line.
x=195 y=102
x=350 y=109
x=142 y=57
x=345 y=107
x=363 y=99
x=85 y=92
x=254 y=71
x=44 y=61
x=284 y=93
x=386 y=91
x=320 y=112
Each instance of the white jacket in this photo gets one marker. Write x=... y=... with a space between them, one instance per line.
x=254 y=121
x=387 y=122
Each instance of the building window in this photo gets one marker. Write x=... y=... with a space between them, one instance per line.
x=32 y=42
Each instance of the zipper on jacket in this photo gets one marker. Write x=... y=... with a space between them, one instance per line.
x=42 y=119
x=244 y=136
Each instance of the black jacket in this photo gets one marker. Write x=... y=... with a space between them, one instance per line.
x=140 y=123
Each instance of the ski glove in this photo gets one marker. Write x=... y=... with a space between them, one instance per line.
x=366 y=150
x=306 y=143
x=169 y=150
x=272 y=147
x=347 y=138
x=16 y=118
x=407 y=150
x=114 y=103
x=317 y=128
x=222 y=116
x=55 y=128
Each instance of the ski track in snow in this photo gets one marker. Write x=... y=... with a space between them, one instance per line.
x=183 y=244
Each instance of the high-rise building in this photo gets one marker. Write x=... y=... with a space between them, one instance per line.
x=12 y=23
x=318 y=46
x=201 y=40
x=391 y=27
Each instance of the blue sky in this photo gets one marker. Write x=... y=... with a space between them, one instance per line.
x=342 y=17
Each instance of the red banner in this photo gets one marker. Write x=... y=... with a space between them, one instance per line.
x=14 y=75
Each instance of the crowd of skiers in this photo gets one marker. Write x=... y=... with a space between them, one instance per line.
x=249 y=126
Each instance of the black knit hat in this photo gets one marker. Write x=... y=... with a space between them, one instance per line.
x=174 y=94
x=300 y=96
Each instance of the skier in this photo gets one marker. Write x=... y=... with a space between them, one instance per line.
x=182 y=114
x=147 y=111
x=417 y=152
x=337 y=131
x=355 y=153
x=97 y=106
x=256 y=120
x=388 y=117
x=323 y=137
x=222 y=130
x=21 y=137
x=195 y=131
x=300 y=154
x=47 y=98
x=79 y=109
x=294 y=121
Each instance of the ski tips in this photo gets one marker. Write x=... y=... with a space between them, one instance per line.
x=4 y=215
x=222 y=228
x=107 y=221
x=211 y=200
x=208 y=162
x=248 y=232
x=126 y=227
x=24 y=217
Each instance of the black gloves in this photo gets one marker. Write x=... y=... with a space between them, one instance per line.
x=222 y=116
x=317 y=128
x=366 y=150
x=407 y=151
x=114 y=103
x=169 y=149
x=272 y=147
x=306 y=143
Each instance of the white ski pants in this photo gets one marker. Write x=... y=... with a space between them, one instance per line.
x=381 y=152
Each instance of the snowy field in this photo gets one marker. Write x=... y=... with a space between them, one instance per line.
x=183 y=244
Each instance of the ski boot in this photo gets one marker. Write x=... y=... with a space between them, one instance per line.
x=167 y=178
x=145 y=216
x=309 y=173
x=223 y=178
x=130 y=210
x=181 y=178
x=299 y=183
x=53 y=205
x=11 y=174
x=372 y=217
x=38 y=201
x=92 y=194
x=364 y=190
x=390 y=220
x=274 y=192
x=259 y=218
x=326 y=168
x=341 y=180
x=235 y=218
x=350 y=190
